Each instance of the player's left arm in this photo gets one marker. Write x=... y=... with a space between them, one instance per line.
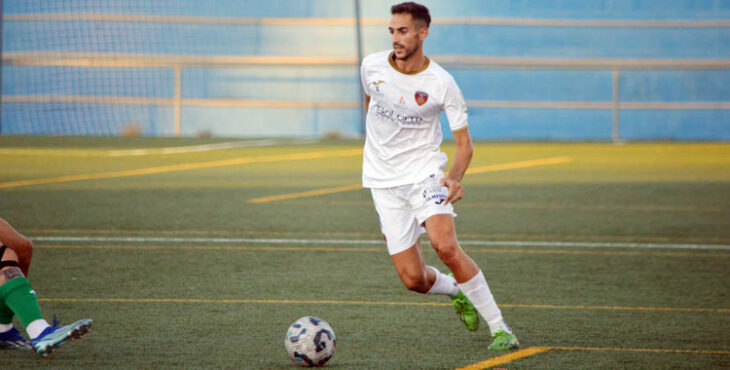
x=462 y=158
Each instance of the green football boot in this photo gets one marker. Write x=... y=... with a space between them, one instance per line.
x=502 y=340
x=466 y=311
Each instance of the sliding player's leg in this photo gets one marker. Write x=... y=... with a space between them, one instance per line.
x=21 y=245
x=17 y=294
x=442 y=234
x=9 y=335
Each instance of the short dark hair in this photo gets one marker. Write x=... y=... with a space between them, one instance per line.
x=417 y=11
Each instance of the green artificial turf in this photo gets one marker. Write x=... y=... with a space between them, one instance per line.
x=211 y=280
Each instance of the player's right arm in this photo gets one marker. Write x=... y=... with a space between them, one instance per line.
x=455 y=109
x=462 y=158
x=21 y=245
x=364 y=82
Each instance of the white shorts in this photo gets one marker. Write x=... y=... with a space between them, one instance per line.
x=403 y=210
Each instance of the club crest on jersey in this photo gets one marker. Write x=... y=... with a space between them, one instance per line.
x=376 y=84
x=421 y=97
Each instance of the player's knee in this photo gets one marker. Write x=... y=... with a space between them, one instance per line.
x=24 y=250
x=448 y=251
x=9 y=268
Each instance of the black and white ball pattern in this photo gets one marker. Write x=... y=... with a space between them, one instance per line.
x=310 y=341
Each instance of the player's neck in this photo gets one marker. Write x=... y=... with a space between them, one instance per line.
x=416 y=63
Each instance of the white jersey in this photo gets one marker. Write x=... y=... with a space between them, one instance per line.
x=403 y=142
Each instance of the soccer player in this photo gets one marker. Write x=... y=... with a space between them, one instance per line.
x=17 y=298
x=403 y=165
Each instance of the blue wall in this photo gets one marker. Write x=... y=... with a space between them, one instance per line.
x=340 y=83
x=552 y=9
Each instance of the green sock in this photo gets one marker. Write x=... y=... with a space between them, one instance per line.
x=6 y=314
x=18 y=294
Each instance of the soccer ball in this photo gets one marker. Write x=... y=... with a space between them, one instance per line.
x=310 y=341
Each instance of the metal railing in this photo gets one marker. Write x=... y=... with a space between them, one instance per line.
x=179 y=62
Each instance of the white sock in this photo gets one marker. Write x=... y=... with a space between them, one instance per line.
x=37 y=327
x=444 y=284
x=480 y=296
x=5 y=327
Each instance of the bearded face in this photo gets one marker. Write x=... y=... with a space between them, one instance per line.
x=406 y=35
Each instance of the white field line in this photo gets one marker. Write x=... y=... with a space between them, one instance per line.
x=507 y=243
x=145 y=151
x=192 y=149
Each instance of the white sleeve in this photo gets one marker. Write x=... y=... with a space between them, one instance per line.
x=455 y=106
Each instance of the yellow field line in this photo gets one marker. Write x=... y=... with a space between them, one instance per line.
x=655 y=161
x=279 y=301
x=593 y=207
x=496 y=167
x=214 y=247
x=194 y=232
x=143 y=151
x=515 y=165
x=378 y=235
x=645 y=350
x=619 y=308
x=598 y=253
x=310 y=193
x=499 y=360
x=181 y=167
x=372 y=249
x=375 y=303
x=616 y=238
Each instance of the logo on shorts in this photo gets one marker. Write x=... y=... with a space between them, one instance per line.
x=435 y=194
x=421 y=97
